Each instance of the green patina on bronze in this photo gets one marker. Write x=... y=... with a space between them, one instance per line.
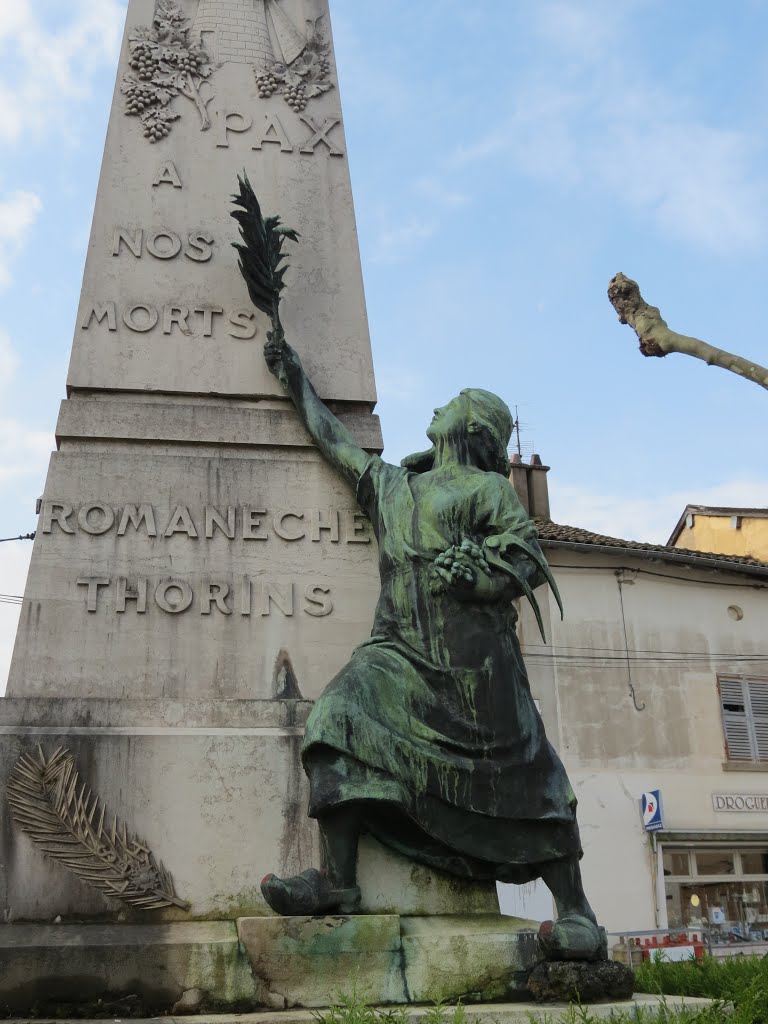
x=433 y=716
x=430 y=731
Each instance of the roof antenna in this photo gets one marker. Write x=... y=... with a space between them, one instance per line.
x=523 y=449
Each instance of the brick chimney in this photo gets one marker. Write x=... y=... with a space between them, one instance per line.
x=530 y=483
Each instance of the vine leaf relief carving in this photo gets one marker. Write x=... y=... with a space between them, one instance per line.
x=166 y=64
x=306 y=77
x=168 y=61
x=67 y=821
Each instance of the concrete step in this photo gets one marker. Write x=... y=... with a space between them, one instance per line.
x=490 y=1013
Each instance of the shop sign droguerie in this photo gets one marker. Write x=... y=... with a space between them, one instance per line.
x=755 y=803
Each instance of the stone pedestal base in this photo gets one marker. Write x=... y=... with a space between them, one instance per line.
x=263 y=963
x=45 y=967
x=576 y=981
x=311 y=962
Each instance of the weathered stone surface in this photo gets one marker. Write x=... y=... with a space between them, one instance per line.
x=215 y=422
x=310 y=961
x=391 y=883
x=190 y=1002
x=307 y=182
x=47 y=965
x=238 y=565
x=213 y=787
x=385 y=958
x=574 y=981
x=477 y=958
x=308 y=599
x=493 y=1013
x=216 y=790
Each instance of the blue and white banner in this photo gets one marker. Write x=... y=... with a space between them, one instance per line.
x=652 y=817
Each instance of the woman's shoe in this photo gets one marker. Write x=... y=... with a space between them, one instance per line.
x=309 y=894
x=573 y=937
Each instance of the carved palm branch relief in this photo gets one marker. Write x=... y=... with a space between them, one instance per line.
x=261 y=253
x=70 y=824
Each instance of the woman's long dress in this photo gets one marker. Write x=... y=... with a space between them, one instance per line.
x=431 y=725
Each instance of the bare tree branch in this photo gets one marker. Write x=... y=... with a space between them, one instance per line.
x=656 y=339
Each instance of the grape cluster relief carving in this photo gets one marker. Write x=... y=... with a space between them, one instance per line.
x=168 y=60
x=305 y=78
x=165 y=64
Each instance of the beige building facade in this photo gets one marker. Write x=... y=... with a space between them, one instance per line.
x=657 y=680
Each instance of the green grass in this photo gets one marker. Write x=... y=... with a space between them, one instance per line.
x=639 y=1015
x=739 y=980
x=350 y=1011
x=738 y=985
x=710 y=977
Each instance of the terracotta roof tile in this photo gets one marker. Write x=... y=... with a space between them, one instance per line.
x=549 y=531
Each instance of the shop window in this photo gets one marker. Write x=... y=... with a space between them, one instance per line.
x=714 y=862
x=744 y=707
x=754 y=862
x=677 y=862
x=723 y=890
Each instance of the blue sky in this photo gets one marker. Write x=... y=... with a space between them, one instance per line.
x=507 y=157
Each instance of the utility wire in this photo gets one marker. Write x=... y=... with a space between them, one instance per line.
x=703 y=659
x=633 y=650
x=669 y=575
x=24 y=536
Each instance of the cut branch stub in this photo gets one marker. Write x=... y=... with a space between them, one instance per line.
x=625 y=297
x=656 y=339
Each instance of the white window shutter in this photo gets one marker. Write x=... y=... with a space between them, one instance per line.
x=758 y=700
x=737 y=737
x=736 y=725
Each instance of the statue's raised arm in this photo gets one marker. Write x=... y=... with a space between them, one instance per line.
x=329 y=434
x=262 y=264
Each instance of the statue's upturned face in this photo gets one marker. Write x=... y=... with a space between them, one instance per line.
x=450 y=419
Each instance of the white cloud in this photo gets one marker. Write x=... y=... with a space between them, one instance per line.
x=438 y=192
x=585 y=30
x=18 y=212
x=395 y=244
x=638 y=517
x=44 y=68
x=398 y=384
x=23 y=451
x=24 y=454
x=594 y=117
x=9 y=361
x=14 y=563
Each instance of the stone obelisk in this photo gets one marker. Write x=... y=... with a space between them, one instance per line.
x=199 y=574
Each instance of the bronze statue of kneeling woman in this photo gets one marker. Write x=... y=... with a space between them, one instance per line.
x=429 y=738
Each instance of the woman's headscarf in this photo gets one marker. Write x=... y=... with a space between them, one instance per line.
x=493 y=420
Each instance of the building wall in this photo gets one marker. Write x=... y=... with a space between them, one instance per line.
x=716 y=533
x=615 y=752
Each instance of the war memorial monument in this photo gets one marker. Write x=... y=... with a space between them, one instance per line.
x=195 y=667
